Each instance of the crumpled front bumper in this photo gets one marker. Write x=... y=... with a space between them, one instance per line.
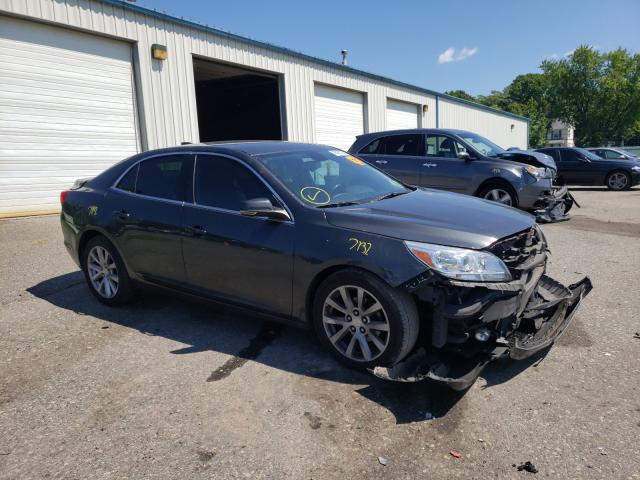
x=524 y=318
x=555 y=206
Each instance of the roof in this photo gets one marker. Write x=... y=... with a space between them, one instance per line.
x=199 y=26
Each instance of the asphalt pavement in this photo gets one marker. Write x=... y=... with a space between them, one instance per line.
x=170 y=388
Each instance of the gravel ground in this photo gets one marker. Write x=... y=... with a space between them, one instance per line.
x=168 y=388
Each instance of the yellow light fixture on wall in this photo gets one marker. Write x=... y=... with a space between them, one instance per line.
x=159 y=52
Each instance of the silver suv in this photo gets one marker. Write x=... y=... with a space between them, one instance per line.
x=465 y=162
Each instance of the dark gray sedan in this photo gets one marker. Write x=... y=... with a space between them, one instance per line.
x=465 y=162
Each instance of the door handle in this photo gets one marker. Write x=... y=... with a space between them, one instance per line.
x=429 y=165
x=198 y=230
x=381 y=162
x=122 y=214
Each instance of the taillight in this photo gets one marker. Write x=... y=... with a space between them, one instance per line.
x=63 y=196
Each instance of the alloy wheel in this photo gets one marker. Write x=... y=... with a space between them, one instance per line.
x=618 y=181
x=103 y=272
x=499 y=195
x=356 y=323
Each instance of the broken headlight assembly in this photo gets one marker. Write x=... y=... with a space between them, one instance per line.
x=460 y=263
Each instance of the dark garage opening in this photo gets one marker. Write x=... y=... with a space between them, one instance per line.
x=235 y=103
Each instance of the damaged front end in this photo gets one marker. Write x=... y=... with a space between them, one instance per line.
x=554 y=206
x=472 y=323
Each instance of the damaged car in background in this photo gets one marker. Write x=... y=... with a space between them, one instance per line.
x=405 y=282
x=465 y=162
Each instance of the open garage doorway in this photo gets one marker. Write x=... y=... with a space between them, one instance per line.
x=235 y=103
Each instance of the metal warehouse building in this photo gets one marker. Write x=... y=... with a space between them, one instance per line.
x=83 y=85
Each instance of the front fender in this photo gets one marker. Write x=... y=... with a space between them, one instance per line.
x=329 y=249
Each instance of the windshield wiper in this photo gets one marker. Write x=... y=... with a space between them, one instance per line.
x=338 y=204
x=388 y=195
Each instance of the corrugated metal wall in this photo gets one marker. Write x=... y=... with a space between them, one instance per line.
x=505 y=131
x=166 y=91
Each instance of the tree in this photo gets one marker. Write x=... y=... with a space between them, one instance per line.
x=462 y=94
x=597 y=93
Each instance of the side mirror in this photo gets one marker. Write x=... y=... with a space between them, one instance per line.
x=584 y=159
x=262 y=207
x=464 y=156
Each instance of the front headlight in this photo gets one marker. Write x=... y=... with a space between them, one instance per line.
x=539 y=173
x=636 y=168
x=460 y=263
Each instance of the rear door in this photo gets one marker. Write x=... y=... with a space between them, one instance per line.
x=398 y=155
x=239 y=259
x=441 y=167
x=146 y=209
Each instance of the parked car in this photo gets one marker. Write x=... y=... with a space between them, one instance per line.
x=388 y=276
x=613 y=153
x=465 y=162
x=578 y=166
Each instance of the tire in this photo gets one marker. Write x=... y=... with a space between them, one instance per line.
x=387 y=343
x=495 y=190
x=100 y=256
x=618 y=181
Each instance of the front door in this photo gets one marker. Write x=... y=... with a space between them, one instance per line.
x=146 y=212
x=240 y=259
x=441 y=167
x=576 y=169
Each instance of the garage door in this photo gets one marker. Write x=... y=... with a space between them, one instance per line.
x=401 y=115
x=339 y=116
x=66 y=112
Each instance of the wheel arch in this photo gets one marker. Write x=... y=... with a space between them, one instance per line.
x=91 y=233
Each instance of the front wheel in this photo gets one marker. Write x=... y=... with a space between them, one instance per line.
x=363 y=321
x=618 y=181
x=106 y=273
x=499 y=193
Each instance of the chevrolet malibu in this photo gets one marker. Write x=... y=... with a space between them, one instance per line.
x=406 y=282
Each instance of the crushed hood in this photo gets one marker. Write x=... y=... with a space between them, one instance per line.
x=434 y=216
x=537 y=159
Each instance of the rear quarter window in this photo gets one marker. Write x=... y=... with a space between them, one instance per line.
x=128 y=182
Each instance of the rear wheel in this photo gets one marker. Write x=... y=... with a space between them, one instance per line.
x=105 y=272
x=499 y=193
x=363 y=321
x=618 y=180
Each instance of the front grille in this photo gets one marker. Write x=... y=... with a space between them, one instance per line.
x=520 y=252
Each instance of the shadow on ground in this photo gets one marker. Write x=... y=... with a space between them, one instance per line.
x=203 y=326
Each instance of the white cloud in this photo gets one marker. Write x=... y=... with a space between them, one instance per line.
x=450 y=54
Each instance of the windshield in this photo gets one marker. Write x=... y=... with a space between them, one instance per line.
x=588 y=154
x=483 y=145
x=329 y=177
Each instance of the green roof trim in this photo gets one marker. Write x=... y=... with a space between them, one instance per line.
x=193 y=24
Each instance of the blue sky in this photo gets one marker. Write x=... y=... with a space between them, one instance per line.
x=477 y=46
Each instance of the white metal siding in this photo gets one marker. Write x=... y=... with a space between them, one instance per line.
x=500 y=129
x=66 y=111
x=339 y=116
x=402 y=115
x=166 y=91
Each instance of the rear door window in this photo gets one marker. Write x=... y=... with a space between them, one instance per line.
x=410 y=145
x=167 y=177
x=375 y=147
x=128 y=182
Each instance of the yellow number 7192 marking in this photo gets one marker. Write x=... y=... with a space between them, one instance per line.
x=360 y=246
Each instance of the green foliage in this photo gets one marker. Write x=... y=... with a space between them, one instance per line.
x=597 y=93
x=461 y=94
